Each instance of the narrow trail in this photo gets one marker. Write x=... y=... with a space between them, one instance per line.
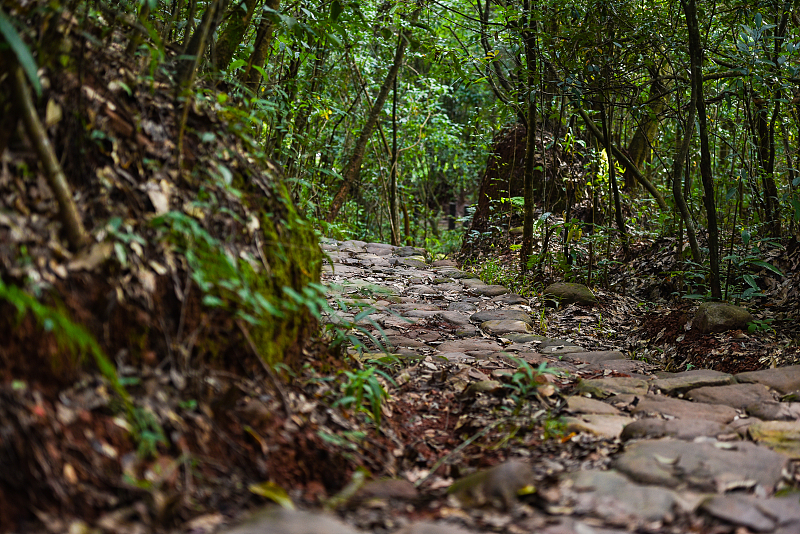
x=601 y=443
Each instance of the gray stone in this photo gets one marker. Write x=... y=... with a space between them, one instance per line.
x=611 y=496
x=453 y=317
x=423 y=290
x=444 y=263
x=510 y=299
x=466 y=345
x=696 y=378
x=775 y=411
x=685 y=429
x=596 y=356
x=719 y=317
x=471 y=283
x=500 y=315
x=400 y=308
x=606 y=387
x=635 y=368
x=412 y=262
x=488 y=290
x=704 y=466
x=499 y=328
x=586 y=405
x=405 y=252
x=276 y=520
x=736 y=395
x=569 y=293
x=683 y=409
x=781 y=379
x=497 y=487
x=600 y=425
x=428 y=527
x=458 y=275
x=461 y=307
x=762 y=515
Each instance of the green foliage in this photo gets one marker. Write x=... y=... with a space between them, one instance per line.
x=21 y=51
x=526 y=381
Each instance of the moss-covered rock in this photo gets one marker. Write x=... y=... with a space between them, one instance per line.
x=720 y=316
x=569 y=293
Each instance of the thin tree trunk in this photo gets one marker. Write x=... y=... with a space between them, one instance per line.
x=353 y=169
x=233 y=33
x=529 y=36
x=681 y=151
x=612 y=179
x=394 y=218
x=696 y=56
x=251 y=77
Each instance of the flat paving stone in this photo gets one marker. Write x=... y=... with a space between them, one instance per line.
x=596 y=356
x=635 y=368
x=606 y=387
x=696 y=378
x=684 y=429
x=403 y=341
x=465 y=345
x=780 y=436
x=502 y=315
x=462 y=307
x=704 y=466
x=611 y=496
x=411 y=262
x=471 y=283
x=600 y=425
x=429 y=527
x=681 y=409
x=578 y=404
x=278 y=520
x=760 y=515
x=499 y=328
x=423 y=290
x=510 y=299
x=782 y=379
x=488 y=290
x=775 y=411
x=400 y=308
x=459 y=275
x=453 y=317
x=404 y=252
x=444 y=263
x=736 y=395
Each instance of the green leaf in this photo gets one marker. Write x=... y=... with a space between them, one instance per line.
x=21 y=50
x=272 y=491
x=767 y=266
x=336 y=9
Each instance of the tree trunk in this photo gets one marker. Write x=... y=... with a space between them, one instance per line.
x=642 y=140
x=394 y=218
x=696 y=56
x=353 y=169
x=196 y=47
x=681 y=151
x=612 y=179
x=233 y=33
x=251 y=77
x=529 y=36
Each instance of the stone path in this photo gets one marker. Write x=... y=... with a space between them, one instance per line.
x=702 y=451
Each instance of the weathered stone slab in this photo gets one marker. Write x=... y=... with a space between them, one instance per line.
x=471 y=283
x=736 y=395
x=428 y=527
x=702 y=465
x=719 y=317
x=635 y=368
x=277 y=520
x=453 y=317
x=510 y=299
x=775 y=411
x=379 y=249
x=780 y=436
x=423 y=290
x=569 y=293
x=596 y=356
x=403 y=341
x=782 y=379
x=606 y=387
x=405 y=252
x=760 y=515
x=488 y=290
x=685 y=429
x=449 y=287
x=601 y=425
x=499 y=328
x=414 y=263
x=458 y=275
x=579 y=404
x=696 y=378
x=501 y=315
x=444 y=263
x=400 y=308
x=682 y=409
x=464 y=345
x=466 y=307
x=611 y=496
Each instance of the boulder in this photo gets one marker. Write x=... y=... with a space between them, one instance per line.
x=569 y=293
x=714 y=317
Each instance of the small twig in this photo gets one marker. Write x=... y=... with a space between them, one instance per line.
x=267 y=369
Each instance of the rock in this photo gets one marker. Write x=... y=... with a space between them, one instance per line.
x=423 y=290
x=685 y=429
x=453 y=317
x=611 y=496
x=756 y=514
x=444 y=263
x=497 y=487
x=704 y=466
x=461 y=307
x=586 y=405
x=780 y=436
x=682 y=409
x=601 y=425
x=775 y=411
x=781 y=379
x=606 y=387
x=736 y=395
x=498 y=328
x=467 y=345
x=569 y=293
x=500 y=315
x=488 y=290
x=415 y=263
x=596 y=356
x=471 y=283
x=276 y=520
x=405 y=252
x=696 y=378
x=720 y=316
x=510 y=299
x=427 y=527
